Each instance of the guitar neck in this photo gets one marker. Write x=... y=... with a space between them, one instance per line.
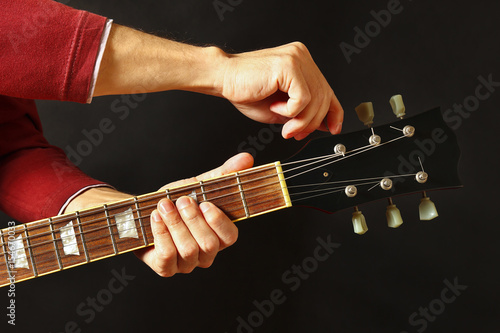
x=46 y=246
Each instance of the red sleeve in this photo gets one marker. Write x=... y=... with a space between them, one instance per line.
x=48 y=50
x=36 y=178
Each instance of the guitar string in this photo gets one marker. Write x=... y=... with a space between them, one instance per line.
x=208 y=182
x=107 y=226
x=107 y=236
x=89 y=240
x=161 y=194
x=269 y=167
x=97 y=248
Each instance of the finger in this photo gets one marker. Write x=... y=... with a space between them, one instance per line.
x=187 y=248
x=236 y=163
x=207 y=241
x=299 y=96
x=335 y=116
x=162 y=257
x=318 y=120
x=308 y=120
x=224 y=228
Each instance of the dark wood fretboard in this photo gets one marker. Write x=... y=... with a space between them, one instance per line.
x=46 y=246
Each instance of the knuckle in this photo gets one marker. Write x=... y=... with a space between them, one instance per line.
x=189 y=214
x=166 y=255
x=231 y=237
x=297 y=48
x=188 y=251
x=187 y=269
x=165 y=273
x=206 y=263
x=210 y=245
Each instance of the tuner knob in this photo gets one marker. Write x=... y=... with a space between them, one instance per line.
x=365 y=113
x=393 y=215
x=359 y=222
x=427 y=209
x=397 y=106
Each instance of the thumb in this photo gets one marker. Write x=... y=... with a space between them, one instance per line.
x=238 y=162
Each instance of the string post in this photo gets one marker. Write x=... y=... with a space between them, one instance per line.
x=408 y=131
x=421 y=177
x=386 y=184
x=351 y=191
x=339 y=149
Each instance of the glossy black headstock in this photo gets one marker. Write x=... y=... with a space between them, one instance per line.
x=320 y=182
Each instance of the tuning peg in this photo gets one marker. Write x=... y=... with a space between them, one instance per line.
x=427 y=209
x=397 y=106
x=365 y=113
x=359 y=222
x=393 y=215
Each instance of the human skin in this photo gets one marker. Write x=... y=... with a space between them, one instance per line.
x=276 y=85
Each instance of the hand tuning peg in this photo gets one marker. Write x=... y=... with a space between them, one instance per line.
x=393 y=215
x=397 y=106
x=365 y=113
x=359 y=222
x=427 y=209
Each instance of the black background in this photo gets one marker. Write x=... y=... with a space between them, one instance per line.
x=432 y=53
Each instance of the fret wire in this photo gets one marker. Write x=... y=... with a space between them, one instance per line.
x=82 y=236
x=146 y=216
x=82 y=214
x=35 y=274
x=55 y=244
x=167 y=191
x=110 y=230
x=140 y=221
x=5 y=254
x=243 y=200
x=153 y=205
x=204 y=195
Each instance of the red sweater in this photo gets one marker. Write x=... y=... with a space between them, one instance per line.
x=47 y=51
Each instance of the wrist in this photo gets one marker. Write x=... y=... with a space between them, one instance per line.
x=208 y=70
x=94 y=197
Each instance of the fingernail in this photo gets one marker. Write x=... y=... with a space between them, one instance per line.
x=166 y=206
x=183 y=202
x=337 y=128
x=155 y=216
x=204 y=206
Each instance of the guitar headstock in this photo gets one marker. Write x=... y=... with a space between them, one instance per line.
x=415 y=154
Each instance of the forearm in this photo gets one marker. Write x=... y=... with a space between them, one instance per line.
x=135 y=62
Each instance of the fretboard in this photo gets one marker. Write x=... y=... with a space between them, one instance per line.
x=46 y=246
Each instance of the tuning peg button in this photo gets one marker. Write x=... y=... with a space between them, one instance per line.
x=365 y=113
x=427 y=209
x=359 y=222
x=397 y=106
x=393 y=216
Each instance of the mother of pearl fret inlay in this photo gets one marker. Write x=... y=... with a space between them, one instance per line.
x=18 y=253
x=125 y=223
x=70 y=245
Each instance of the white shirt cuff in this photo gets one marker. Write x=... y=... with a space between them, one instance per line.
x=102 y=46
x=78 y=193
